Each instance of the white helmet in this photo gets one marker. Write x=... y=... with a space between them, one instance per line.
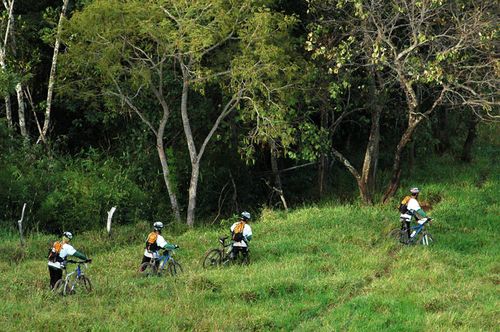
x=414 y=190
x=68 y=235
x=245 y=215
x=158 y=225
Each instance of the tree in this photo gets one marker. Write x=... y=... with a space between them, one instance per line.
x=341 y=43
x=434 y=51
x=170 y=50
x=6 y=77
x=52 y=76
x=10 y=34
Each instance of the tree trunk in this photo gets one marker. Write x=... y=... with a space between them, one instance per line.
x=8 y=113
x=166 y=178
x=469 y=140
x=193 y=187
x=9 y=5
x=323 y=159
x=396 y=166
x=366 y=180
x=3 y=52
x=277 y=179
x=369 y=170
x=53 y=67
x=354 y=172
x=21 y=111
x=8 y=105
x=193 y=155
x=364 y=193
x=321 y=175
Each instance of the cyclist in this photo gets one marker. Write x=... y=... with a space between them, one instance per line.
x=413 y=209
x=241 y=234
x=58 y=256
x=154 y=243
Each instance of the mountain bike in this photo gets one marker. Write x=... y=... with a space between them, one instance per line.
x=68 y=285
x=222 y=256
x=419 y=233
x=161 y=265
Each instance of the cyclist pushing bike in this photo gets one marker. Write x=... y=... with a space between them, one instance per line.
x=241 y=234
x=58 y=255
x=154 y=243
x=410 y=208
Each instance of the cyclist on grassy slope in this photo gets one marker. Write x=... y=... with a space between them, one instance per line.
x=241 y=234
x=411 y=208
x=58 y=256
x=155 y=242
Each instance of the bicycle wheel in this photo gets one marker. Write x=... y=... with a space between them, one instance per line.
x=213 y=258
x=398 y=234
x=59 y=287
x=174 y=268
x=147 y=269
x=426 y=239
x=394 y=233
x=85 y=283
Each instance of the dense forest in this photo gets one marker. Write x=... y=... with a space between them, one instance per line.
x=192 y=111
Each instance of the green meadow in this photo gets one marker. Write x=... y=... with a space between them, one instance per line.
x=328 y=267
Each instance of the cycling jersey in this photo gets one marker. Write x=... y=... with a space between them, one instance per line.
x=247 y=234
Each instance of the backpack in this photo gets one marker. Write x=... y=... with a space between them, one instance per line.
x=238 y=232
x=54 y=252
x=151 y=242
x=403 y=207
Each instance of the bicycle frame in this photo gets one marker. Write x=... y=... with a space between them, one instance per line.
x=420 y=227
x=69 y=277
x=225 y=253
x=158 y=264
x=163 y=260
x=417 y=229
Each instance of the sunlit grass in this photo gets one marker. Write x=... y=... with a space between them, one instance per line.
x=328 y=267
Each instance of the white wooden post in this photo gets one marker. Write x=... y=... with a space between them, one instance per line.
x=110 y=215
x=20 y=225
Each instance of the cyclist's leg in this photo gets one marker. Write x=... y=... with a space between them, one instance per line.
x=55 y=275
x=402 y=233
x=245 y=259
x=157 y=263
x=241 y=254
x=234 y=252
x=408 y=228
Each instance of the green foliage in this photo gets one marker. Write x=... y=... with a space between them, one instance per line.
x=8 y=81
x=66 y=193
x=85 y=191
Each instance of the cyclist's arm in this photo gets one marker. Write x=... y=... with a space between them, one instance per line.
x=80 y=255
x=71 y=251
x=421 y=213
x=169 y=246
x=247 y=233
x=162 y=243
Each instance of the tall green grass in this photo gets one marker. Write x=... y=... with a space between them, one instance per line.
x=322 y=268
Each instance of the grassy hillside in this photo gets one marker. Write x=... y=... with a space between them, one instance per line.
x=322 y=268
